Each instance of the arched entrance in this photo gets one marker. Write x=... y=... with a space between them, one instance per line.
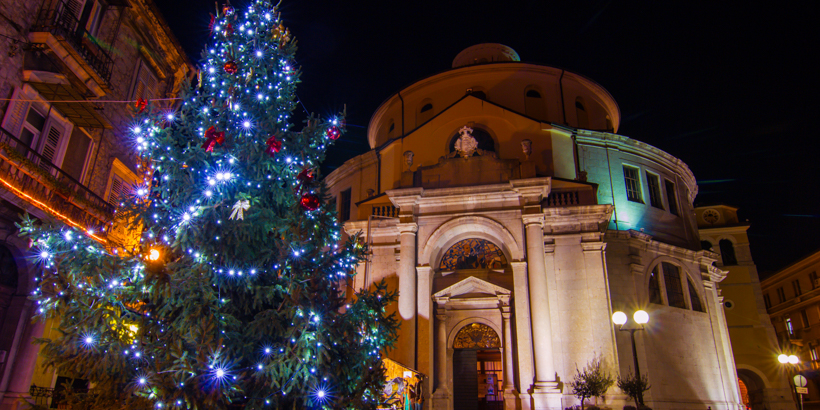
x=477 y=371
x=751 y=389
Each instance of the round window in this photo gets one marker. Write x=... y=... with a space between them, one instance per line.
x=729 y=304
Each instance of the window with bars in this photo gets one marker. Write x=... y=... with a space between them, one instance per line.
x=654 y=183
x=633 y=184
x=674 y=288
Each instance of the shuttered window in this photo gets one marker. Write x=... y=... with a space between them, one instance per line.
x=145 y=83
x=37 y=127
x=119 y=190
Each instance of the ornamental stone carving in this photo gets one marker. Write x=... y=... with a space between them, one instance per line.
x=466 y=144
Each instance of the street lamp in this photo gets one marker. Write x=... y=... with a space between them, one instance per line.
x=641 y=318
x=792 y=360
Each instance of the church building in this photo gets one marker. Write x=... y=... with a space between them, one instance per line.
x=501 y=203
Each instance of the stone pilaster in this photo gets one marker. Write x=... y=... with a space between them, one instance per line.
x=406 y=345
x=441 y=396
x=523 y=333
x=510 y=394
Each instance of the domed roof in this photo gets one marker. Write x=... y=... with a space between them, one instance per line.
x=485 y=53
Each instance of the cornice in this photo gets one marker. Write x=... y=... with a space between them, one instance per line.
x=351 y=166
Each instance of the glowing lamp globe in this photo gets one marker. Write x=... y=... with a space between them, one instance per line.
x=153 y=254
x=793 y=359
x=641 y=317
x=783 y=359
x=619 y=318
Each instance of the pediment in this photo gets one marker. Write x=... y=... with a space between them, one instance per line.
x=472 y=287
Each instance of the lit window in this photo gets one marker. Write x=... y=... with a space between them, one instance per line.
x=633 y=184
x=789 y=326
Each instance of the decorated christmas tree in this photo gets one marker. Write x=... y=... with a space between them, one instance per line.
x=235 y=291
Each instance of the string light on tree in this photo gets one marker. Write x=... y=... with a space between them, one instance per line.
x=231 y=238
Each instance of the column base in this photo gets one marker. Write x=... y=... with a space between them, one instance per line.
x=510 y=399
x=547 y=396
x=441 y=399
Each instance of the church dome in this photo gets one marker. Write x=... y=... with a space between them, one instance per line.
x=485 y=53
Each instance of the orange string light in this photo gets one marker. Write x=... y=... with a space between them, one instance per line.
x=51 y=210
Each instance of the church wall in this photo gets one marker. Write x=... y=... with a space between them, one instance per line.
x=607 y=170
x=680 y=369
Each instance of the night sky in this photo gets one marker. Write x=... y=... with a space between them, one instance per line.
x=727 y=88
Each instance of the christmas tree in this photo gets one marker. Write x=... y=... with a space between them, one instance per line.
x=236 y=294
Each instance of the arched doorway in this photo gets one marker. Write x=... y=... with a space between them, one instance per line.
x=751 y=389
x=477 y=372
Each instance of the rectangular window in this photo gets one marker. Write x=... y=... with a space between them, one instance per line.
x=344 y=205
x=145 y=82
x=805 y=317
x=813 y=279
x=671 y=197
x=30 y=119
x=796 y=287
x=674 y=289
x=789 y=326
x=768 y=301
x=781 y=295
x=77 y=154
x=633 y=184
x=654 y=190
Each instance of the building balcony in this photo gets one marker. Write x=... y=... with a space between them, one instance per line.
x=60 y=31
x=32 y=178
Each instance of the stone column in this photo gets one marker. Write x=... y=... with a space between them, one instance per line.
x=523 y=330
x=441 y=396
x=425 y=329
x=546 y=387
x=510 y=395
x=406 y=346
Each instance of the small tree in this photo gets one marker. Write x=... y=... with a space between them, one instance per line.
x=634 y=387
x=592 y=382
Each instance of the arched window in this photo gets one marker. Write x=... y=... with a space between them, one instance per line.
x=476 y=336
x=706 y=245
x=534 y=104
x=473 y=253
x=697 y=306
x=484 y=139
x=668 y=278
x=425 y=112
x=581 y=113
x=727 y=251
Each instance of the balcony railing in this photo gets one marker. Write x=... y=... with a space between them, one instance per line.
x=62 y=22
x=34 y=178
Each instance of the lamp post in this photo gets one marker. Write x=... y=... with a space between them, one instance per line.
x=791 y=362
x=641 y=318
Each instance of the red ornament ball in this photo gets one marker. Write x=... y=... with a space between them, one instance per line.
x=334 y=133
x=230 y=67
x=310 y=202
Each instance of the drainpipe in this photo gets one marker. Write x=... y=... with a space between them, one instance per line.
x=563 y=106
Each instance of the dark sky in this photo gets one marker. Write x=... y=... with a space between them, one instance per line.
x=727 y=87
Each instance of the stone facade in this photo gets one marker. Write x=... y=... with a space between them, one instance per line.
x=538 y=237
x=79 y=66
x=792 y=299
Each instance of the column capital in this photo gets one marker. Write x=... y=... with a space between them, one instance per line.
x=532 y=219
x=407 y=227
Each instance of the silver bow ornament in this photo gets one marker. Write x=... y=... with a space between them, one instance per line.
x=239 y=208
